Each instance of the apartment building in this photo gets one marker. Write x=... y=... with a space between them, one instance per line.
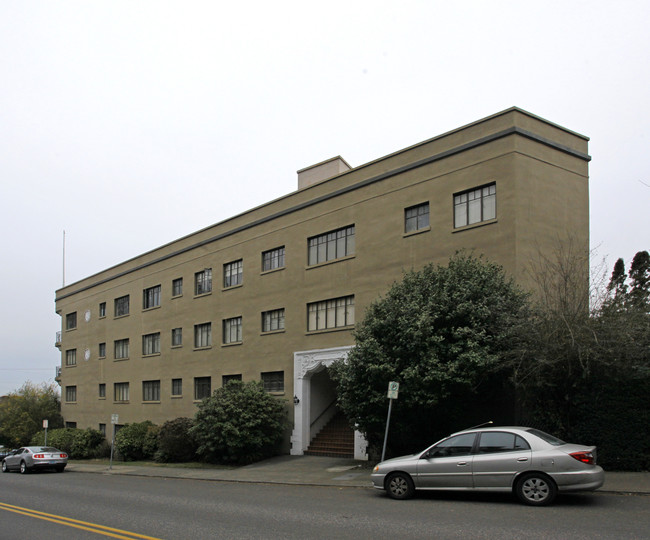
x=273 y=294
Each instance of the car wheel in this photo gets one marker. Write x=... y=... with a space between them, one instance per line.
x=536 y=489
x=400 y=486
x=23 y=467
x=4 y=466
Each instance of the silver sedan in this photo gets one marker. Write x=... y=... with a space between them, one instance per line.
x=29 y=458
x=525 y=461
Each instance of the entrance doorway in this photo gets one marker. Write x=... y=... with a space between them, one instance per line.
x=315 y=398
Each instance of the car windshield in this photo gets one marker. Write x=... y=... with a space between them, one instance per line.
x=546 y=437
x=45 y=449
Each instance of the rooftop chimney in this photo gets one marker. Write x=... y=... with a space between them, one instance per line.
x=321 y=171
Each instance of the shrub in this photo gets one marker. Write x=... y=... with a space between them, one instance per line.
x=77 y=443
x=239 y=423
x=175 y=443
x=86 y=443
x=62 y=439
x=134 y=442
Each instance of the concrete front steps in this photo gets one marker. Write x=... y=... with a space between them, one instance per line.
x=336 y=439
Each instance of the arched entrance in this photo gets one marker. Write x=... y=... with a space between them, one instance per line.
x=315 y=398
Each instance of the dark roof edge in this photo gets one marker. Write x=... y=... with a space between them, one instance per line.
x=377 y=178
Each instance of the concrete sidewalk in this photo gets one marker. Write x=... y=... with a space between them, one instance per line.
x=314 y=471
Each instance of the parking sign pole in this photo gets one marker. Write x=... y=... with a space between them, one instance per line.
x=114 y=420
x=390 y=406
x=393 y=389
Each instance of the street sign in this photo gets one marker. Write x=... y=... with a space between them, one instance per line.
x=114 y=419
x=393 y=389
x=45 y=424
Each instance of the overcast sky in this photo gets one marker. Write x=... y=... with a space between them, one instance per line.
x=129 y=124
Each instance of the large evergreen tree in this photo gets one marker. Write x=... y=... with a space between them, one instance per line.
x=443 y=333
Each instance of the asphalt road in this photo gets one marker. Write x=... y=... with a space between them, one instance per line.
x=137 y=507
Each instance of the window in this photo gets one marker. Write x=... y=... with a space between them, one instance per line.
x=273 y=381
x=460 y=445
x=121 y=391
x=331 y=245
x=71 y=425
x=150 y=390
x=151 y=343
x=71 y=321
x=203 y=282
x=122 y=306
x=416 y=218
x=334 y=313
x=202 y=387
x=202 y=335
x=233 y=273
x=71 y=393
x=497 y=441
x=102 y=390
x=475 y=206
x=102 y=429
x=177 y=387
x=273 y=259
x=225 y=379
x=121 y=349
x=102 y=350
x=273 y=320
x=177 y=287
x=177 y=337
x=151 y=297
x=232 y=330
x=102 y=309
x=71 y=357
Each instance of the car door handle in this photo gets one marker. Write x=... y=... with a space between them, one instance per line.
x=522 y=459
x=462 y=463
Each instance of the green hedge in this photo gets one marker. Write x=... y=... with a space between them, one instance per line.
x=240 y=423
x=77 y=443
x=137 y=441
x=175 y=443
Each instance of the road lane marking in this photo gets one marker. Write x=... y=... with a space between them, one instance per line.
x=77 y=524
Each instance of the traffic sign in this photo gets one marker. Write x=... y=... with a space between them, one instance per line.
x=393 y=389
x=114 y=418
